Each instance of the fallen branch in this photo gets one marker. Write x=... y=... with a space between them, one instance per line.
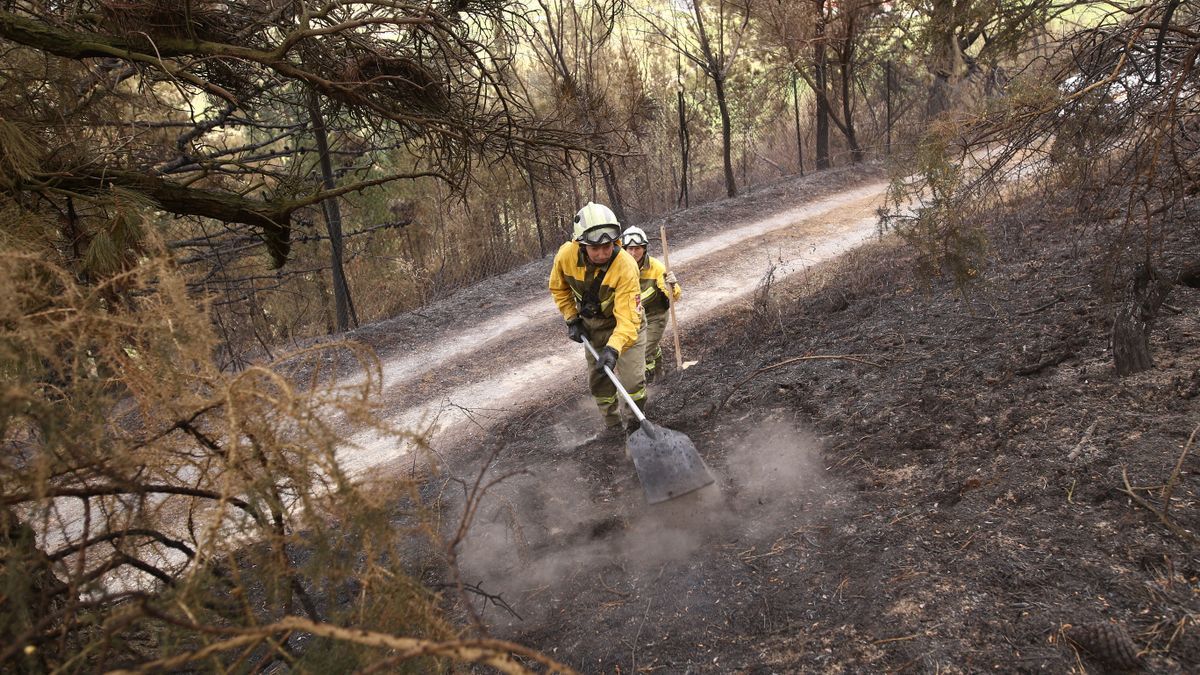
x=814 y=357
x=638 y=636
x=610 y=589
x=1170 y=486
x=1057 y=299
x=1162 y=515
x=902 y=638
x=494 y=598
x=1052 y=360
x=498 y=654
x=782 y=171
x=1087 y=436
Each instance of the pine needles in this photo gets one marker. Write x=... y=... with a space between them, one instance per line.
x=156 y=510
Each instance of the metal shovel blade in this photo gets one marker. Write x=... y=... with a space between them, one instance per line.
x=667 y=462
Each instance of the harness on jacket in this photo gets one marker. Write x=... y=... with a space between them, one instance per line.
x=589 y=302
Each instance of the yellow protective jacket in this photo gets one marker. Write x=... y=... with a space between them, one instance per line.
x=655 y=297
x=572 y=279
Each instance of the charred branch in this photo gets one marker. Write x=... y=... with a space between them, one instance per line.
x=118 y=535
x=90 y=491
x=272 y=219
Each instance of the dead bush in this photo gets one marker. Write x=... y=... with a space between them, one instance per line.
x=157 y=513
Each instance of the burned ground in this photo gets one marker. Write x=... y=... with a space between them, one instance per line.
x=949 y=495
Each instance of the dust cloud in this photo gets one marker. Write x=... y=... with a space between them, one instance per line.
x=538 y=532
x=777 y=464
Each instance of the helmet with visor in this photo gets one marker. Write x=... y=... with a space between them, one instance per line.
x=634 y=236
x=596 y=224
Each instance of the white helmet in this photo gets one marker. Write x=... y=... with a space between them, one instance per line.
x=596 y=224
x=634 y=236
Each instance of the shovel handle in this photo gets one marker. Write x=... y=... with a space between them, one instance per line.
x=608 y=371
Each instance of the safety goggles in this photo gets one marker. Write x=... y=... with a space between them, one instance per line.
x=633 y=240
x=600 y=235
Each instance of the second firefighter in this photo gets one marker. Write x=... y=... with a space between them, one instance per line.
x=658 y=288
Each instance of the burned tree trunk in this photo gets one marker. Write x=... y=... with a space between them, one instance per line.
x=343 y=302
x=799 y=137
x=1145 y=294
x=820 y=84
x=726 y=136
x=684 y=148
x=613 y=188
x=537 y=211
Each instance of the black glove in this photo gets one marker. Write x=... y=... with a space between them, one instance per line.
x=608 y=358
x=575 y=330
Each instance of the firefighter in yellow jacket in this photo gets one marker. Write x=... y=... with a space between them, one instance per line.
x=595 y=285
x=659 y=290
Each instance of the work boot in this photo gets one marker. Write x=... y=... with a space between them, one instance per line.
x=612 y=433
x=611 y=438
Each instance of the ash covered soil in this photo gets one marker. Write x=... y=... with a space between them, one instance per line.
x=966 y=487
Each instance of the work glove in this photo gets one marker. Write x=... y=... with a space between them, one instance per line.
x=575 y=330
x=669 y=277
x=608 y=359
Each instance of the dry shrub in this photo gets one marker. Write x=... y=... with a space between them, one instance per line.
x=386 y=293
x=1110 y=116
x=860 y=273
x=934 y=214
x=156 y=513
x=765 y=314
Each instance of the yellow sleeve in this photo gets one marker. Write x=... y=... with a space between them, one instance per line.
x=559 y=290
x=660 y=272
x=627 y=302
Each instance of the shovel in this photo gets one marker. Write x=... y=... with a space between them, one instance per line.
x=666 y=461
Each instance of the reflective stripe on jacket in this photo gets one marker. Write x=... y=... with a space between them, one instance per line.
x=654 y=286
x=572 y=279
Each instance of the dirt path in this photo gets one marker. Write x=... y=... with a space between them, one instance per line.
x=457 y=382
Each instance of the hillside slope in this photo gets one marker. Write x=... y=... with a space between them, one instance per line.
x=948 y=495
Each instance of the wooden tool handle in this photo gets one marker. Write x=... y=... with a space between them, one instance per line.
x=662 y=231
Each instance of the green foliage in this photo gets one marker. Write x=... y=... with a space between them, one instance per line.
x=932 y=209
x=1105 y=115
x=119 y=237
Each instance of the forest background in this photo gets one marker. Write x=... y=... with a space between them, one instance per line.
x=191 y=190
